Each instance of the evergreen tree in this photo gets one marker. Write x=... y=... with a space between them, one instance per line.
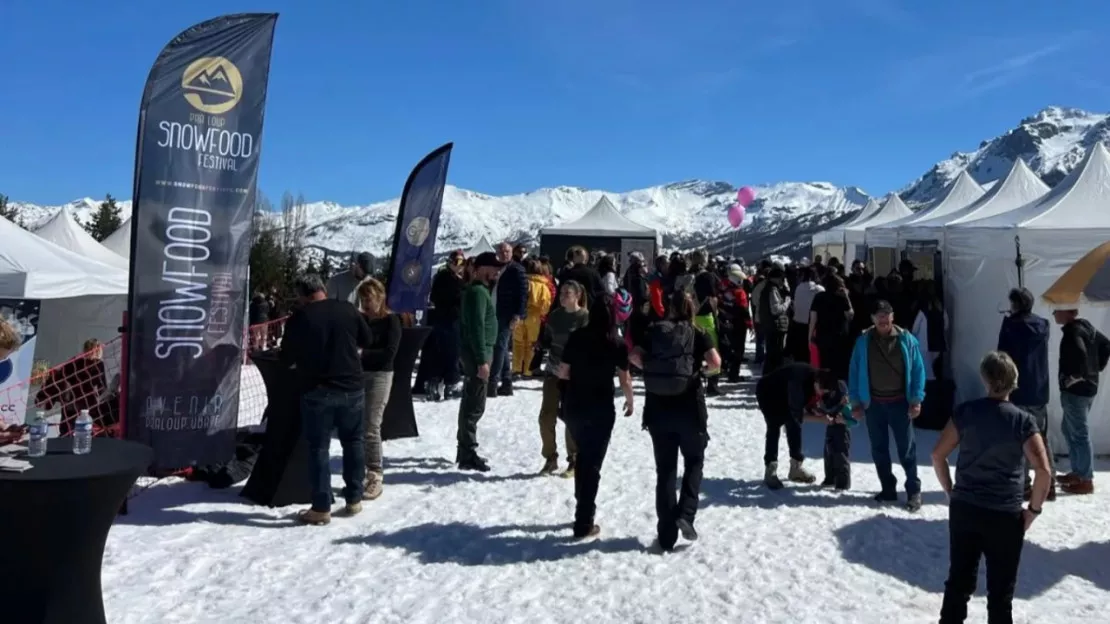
x=10 y=212
x=267 y=262
x=105 y=220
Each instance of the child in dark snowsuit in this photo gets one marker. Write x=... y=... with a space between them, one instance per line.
x=838 y=439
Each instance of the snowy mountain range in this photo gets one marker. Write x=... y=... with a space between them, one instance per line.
x=690 y=213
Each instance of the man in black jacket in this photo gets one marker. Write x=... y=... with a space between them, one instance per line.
x=1083 y=354
x=773 y=320
x=510 y=297
x=788 y=397
x=1024 y=337
x=580 y=271
x=446 y=299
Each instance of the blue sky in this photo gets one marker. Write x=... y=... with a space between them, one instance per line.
x=611 y=94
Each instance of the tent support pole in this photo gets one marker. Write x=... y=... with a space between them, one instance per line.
x=1020 y=262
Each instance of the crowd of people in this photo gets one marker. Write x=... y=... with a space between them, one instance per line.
x=832 y=351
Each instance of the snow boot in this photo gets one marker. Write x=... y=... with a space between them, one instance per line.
x=770 y=478
x=314 y=518
x=550 y=466
x=372 y=488
x=686 y=529
x=569 y=472
x=435 y=390
x=798 y=474
x=913 y=503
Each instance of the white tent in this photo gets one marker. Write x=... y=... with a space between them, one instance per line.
x=64 y=231
x=482 y=246
x=835 y=236
x=602 y=228
x=602 y=220
x=960 y=193
x=81 y=298
x=1018 y=188
x=892 y=209
x=120 y=240
x=1046 y=236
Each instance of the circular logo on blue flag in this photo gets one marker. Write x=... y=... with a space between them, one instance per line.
x=412 y=272
x=6 y=370
x=417 y=231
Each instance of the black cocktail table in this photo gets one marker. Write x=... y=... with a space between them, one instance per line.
x=54 y=521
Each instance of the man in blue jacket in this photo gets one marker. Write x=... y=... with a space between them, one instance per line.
x=1024 y=337
x=510 y=297
x=886 y=383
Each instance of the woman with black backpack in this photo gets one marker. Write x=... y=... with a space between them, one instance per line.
x=673 y=353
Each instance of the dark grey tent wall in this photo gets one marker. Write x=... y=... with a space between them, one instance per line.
x=555 y=246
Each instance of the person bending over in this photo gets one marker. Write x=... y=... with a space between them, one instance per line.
x=788 y=396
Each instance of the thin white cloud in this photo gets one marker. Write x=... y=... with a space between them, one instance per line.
x=949 y=77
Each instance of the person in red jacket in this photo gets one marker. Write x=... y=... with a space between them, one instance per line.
x=657 y=287
x=740 y=319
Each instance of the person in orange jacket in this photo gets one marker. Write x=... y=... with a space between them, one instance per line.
x=657 y=287
x=527 y=332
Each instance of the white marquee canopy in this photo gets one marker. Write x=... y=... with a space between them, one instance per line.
x=1047 y=235
x=120 y=240
x=961 y=192
x=64 y=231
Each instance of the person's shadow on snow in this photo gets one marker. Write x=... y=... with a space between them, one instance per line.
x=915 y=551
x=472 y=545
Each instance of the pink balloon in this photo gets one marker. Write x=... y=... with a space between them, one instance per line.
x=736 y=215
x=745 y=196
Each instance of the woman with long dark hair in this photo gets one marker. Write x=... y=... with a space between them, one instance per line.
x=592 y=355
x=673 y=354
x=377 y=376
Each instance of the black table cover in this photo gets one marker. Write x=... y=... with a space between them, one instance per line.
x=280 y=476
x=54 y=521
x=399 y=420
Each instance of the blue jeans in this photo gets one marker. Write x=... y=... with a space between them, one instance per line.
x=1077 y=434
x=882 y=419
x=322 y=410
x=501 y=367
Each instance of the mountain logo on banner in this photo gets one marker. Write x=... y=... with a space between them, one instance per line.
x=212 y=84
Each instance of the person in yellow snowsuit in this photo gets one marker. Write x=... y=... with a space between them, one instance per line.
x=527 y=332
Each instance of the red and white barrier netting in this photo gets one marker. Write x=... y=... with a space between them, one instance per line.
x=91 y=381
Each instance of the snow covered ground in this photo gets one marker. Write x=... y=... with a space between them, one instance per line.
x=444 y=546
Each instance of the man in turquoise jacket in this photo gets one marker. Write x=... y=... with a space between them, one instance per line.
x=886 y=383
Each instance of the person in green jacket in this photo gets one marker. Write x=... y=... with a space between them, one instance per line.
x=477 y=333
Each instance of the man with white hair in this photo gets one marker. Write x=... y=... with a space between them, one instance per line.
x=510 y=296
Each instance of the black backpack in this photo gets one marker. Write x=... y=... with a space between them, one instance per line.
x=1102 y=349
x=669 y=362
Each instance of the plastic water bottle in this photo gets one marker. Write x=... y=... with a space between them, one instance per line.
x=82 y=433
x=36 y=446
